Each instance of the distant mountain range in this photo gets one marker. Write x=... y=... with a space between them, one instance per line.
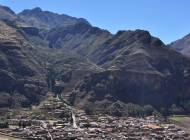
x=182 y=45
x=97 y=68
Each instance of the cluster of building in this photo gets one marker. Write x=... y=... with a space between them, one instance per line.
x=82 y=126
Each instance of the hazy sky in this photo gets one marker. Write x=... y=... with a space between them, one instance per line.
x=167 y=19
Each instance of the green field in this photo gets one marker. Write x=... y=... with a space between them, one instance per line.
x=182 y=121
x=178 y=118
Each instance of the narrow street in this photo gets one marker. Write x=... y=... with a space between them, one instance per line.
x=44 y=126
x=74 y=120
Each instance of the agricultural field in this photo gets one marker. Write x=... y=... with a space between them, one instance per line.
x=182 y=121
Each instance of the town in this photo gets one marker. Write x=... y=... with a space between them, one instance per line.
x=55 y=120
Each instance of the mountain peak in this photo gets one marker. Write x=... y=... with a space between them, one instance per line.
x=31 y=11
x=36 y=9
x=7 y=9
x=133 y=35
x=7 y=13
x=136 y=32
x=182 y=45
x=187 y=36
x=48 y=20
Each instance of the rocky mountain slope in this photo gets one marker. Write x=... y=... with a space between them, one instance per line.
x=182 y=45
x=81 y=38
x=7 y=13
x=140 y=69
x=62 y=31
x=99 y=71
x=25 y=61
x=46 y=20
x=21 y=79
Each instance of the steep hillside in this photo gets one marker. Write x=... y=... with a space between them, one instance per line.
x=21 y=79
x=140 y=70
x=7 y=13
x=68 y=67
x=62 y=31
x=25 y=58
x=182 y=45
x=97 y=70
x=81 y=38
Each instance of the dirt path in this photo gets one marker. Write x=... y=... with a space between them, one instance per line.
x=96 y=66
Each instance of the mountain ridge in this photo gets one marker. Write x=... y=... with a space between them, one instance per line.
x=182 y=45
x=97 y=69
x=45 y=19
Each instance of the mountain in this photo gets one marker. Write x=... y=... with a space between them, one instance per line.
x=25 y=61
x=47 y=20
x=63 y=31
x=182 y=45
x=97 y=70
x=22 y=81
x=81 y=38
x=7 y=13
x=8 y=16
x=139 y=69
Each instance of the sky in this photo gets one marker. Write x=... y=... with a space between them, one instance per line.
x=168 y=20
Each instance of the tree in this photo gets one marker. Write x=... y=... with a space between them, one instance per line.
x=4 y=124
x=165 y=113
x=174 y=109
x=88 y=111
x=148 y=110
